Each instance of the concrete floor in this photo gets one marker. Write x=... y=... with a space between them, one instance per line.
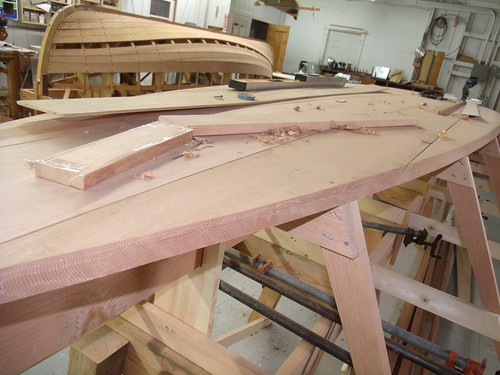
x=271 y=346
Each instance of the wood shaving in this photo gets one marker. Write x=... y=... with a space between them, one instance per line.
x=191 y=154
x=320 y=108
x=145 y=175
x=340 y=100
x=442 y=134
x=370 y=103
x=464 y=117
x=280 y=135
x=355 y=129
x=297 y=108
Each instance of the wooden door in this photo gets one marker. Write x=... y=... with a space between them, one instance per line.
x=277 y=37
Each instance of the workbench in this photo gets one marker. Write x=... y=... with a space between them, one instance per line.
x=15 y=60
x=70 y=260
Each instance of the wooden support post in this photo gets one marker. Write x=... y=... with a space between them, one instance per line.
x=468 y=213
x=464 y=275
x=269 y=298
x=176 y=347
x=340 y=234
x=305 y=358
x=237 y=334
x=192 y=298
x=100 y=352
x=491 y=158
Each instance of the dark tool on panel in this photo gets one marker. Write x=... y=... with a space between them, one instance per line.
x=411 y=235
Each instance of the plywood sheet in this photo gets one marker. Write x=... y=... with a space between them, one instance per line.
x=234 y=188
x=219 y=96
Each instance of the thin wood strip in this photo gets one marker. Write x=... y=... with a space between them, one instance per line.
x=449 y=307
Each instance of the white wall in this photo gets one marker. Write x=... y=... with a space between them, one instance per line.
x=243 y=11
x=200 y=12
x=393 y=33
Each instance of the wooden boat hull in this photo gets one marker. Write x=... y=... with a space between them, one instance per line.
x=86 y=46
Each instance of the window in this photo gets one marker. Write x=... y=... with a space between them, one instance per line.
x=162 y=9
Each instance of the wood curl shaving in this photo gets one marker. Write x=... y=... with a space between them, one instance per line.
x=280 y=135
x=145 y=175
x=191 y=154
x=442 y=134
x=195 y=145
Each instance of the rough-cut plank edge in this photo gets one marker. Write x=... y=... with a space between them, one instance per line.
x=169 y=100
x=440 y=303
x=109 y=258
x=64 y=169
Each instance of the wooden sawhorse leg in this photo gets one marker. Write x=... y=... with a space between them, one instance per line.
x=464 y=197
x=339 y=232
x=192 y=298
x=491 y=159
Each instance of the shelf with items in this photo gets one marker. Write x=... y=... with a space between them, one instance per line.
x=113 y=4
x=33 y=15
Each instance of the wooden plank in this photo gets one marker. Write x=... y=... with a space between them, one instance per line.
x=394 y=215
x=148 y=355
x=436 y=68
x=202 y=98
x=468 y=213
x=305 y=357
x=86 y=166
x=291 y=123
x=101 y=352
x=179 y=337
x=269 y=298
x=491 y=157
x=278 y=84
x=340 y=234
x=193 y=297
x=440 y=303
x=464 y=275
x=237 y=334
x=60 y=317
x=352 y=285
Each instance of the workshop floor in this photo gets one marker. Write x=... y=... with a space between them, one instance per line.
x=271 y=346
